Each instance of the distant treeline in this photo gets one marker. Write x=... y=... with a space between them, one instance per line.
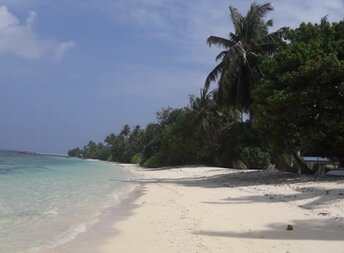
x=278 y=95
x=181 y=136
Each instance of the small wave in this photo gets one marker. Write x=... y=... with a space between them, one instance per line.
x=92 y=160
x=6 y=169
x=51 y=213
x=117 y=196
x=6 y=166
x=69 y=235
x=63 y=238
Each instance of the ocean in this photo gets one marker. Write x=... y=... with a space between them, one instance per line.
x=47 y=201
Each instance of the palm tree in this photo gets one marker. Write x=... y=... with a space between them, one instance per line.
x=125 y=132
x=212 y=118
x=238 y=71
x=204 y=108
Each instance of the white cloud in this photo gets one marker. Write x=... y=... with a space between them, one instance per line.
x=30 y=21
x=6 y=18
x=190 y=22
x=63 y=48
x=20 y=39
x=292 y=13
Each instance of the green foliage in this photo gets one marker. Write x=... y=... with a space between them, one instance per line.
x=76 y=152
x=95 y=151
x=236 y=141
x=255 y=158
x=181 y=138
x=300 y=101
x=183 y=141
x=238 y=71
x=153 y=162
x=136 y=159
x=150 y=141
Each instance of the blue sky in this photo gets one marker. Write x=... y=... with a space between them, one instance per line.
x=76 y=70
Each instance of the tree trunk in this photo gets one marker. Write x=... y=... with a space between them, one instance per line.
x=300 y=163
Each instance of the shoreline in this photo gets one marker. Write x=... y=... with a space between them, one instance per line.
x=209 y=209
x=204 y=209
x=98 y=231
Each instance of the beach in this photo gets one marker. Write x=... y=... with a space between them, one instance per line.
x=204 y=209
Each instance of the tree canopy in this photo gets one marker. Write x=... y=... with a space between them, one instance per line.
x=290 y=81
x=238 y=72
x=300 y=99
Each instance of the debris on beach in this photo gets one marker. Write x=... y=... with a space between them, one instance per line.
x=290 y=227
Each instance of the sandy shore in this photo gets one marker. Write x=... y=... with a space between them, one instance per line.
x=219 y=210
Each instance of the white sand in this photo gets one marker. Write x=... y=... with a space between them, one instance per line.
x=218 y=210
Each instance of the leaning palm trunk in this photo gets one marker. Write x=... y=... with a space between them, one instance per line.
x=301 y=166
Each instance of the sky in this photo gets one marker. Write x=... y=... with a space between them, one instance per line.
x=75 y=71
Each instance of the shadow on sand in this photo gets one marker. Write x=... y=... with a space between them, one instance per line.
x=327 y=230
x=331 y=228
x=247 y=178
x=239 y=178
x=256 y=178
x=322 y=197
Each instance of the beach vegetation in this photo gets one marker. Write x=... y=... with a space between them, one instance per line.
x=299 y=101
x=151 y=141
x=153 y=162
x=279 y=96
x=136 y=159
x=183 y=141
x=255 y=158
x=75 y=152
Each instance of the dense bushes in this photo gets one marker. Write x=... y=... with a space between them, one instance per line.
x=255 y=158
x=154 y=162
x=136 y=159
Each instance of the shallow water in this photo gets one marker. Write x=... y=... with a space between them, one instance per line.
x=47 y=201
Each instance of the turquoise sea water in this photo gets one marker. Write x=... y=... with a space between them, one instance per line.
x=47 y=201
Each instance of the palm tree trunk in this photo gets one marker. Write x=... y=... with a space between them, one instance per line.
x=303 y=168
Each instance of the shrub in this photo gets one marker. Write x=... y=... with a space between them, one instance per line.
x=255 y=158
x=136 y=159
x=239 y=165
x=153 y=162
x=109 y=159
